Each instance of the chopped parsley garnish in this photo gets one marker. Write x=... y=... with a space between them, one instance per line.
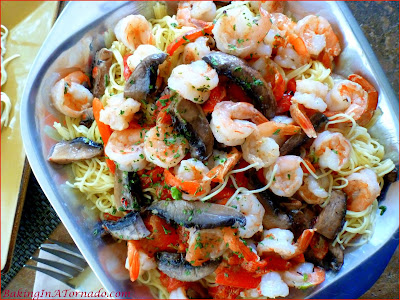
x=176 y=193
x=383 y=208
x=276 y=132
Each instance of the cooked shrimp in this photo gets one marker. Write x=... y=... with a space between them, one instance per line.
x=252 y=210
x=280 y=138
x=313 y=191
x=280 y=241
x=70 y=97
x=238 y=32
x=317 y=34
x=288 y=177
x=363 y=188
x=271 y=286
x=311 y=94
x=269 y=6
x=205 y=244
x=348 y=97
x=146 y=262
x=195 y=13
x=196 y=50
x=193 y=170
x=134 y=30
x=332 y=150
x=260 y=148
x=228 y=122
x=126 y=149
x=304 y=276
x=141 y=52
x=291 y=50
x=372 y=98
x=222 y=164
x=178 y=293
x=269 y=70
x=194 y=82
x=164 y=147
x=119 y=112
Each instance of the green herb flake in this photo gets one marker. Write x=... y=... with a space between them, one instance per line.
x=383 y=208
x=276 y=132
x=176 y=193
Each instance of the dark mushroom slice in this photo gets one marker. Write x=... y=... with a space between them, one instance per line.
x=250 y=80
x=302 y=219
x=77 y=149
x=332 y=217
x=190 y=121
x=295 y=141
x=333 y=259
x=101 y=67
x=142 y=81
x=128 y=192
x=198 y=214
x=175 y=266
x=274 y=216
x=87 y=117
x=130 y=227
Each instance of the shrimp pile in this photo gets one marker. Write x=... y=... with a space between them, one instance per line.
x=230 y=180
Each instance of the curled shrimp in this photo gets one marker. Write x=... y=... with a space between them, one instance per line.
x=260 y=148
x=362 y=189
x=141 y=52
x=223 y=165
x=269 y=6
x=304 y=275
x=190 y=177
x=288 y=176
x=134 y=30
x=253 y=211
x=119 y=112
x=126 y=149
x=238 y=32
x=280 y=241
x=70 y=97
x=228 y=122
x=162 y=145
x=311 y=94
x=332 y=150
x=313 y=191
x=196 y=13
x=372 y=98
x=196 y=50
x=214 y=242
x=318 y=35
x=194 y=81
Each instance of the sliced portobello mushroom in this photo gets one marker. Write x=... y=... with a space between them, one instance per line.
x=295 y=141
x=101 y=68
x=77 y=149
x=142 y=81
x=388 y=179
x=128 y=192
x=130 y=227
x=197 y=214
x=87 y=117
x=250 y=80
x=175 y=266
x=302 y=219
x=332 y=217
x=189 y=120
x=333 y=260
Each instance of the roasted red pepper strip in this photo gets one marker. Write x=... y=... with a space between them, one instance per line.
x=216 y=95
x=236 y=276
x=188 y=37
x=224 y=292
x=127 y=71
